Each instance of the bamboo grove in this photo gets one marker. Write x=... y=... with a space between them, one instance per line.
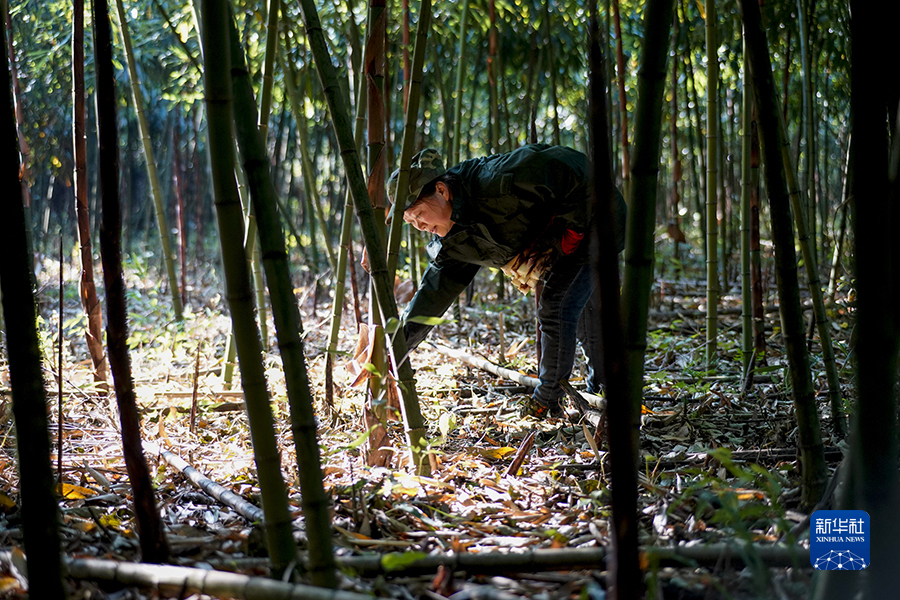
x=235 y=155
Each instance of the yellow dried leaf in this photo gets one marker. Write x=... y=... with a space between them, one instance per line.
x=7 y=584
x=6 y=503
x=74 y=492
x=84 y=526
x=494 y=453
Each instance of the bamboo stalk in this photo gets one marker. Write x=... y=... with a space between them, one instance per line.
x=412 y=416
x=265 y=96
x=29 y=402
x=152 y=174
x=409 y=132
x=186 y=580
x=228 y=498
x=88 y=292
x=237 y=282
x=288 y=324
x=811 y=447
x=823 y=325
x=234 y=585
x=746 y=294
x=458 y=88
x=712 y=188
x=623 y=105
x=154 y=547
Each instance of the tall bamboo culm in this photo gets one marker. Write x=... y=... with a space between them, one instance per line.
x=624 y=579
x=814 y=471
x=875 y=192
x=412 y=416
x=810 y=261
x=154 y=547
x=239 y=292
x=409 y=130
x=746 y=294
x=152 y=175
x=29 y=399
x=88 y=291
x=712 y=188
x=288 y=325
x=458 y=88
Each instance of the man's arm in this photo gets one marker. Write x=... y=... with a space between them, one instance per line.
x=438 y=289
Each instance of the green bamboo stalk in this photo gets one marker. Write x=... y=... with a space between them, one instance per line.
x=29 y=398
x=493 y=73
x=807 y=180
x=288 y=324
x=346 y=230
x=639 y=247
x=812 y=457
x=152 y=175
x=458 y=89
x=239 y=293
x=296 y=100
x=252 y=251
x=265 y=96
x=412 y=416
x=712 y=188
x=746 y=294
x=409 y=131
x=810 y=261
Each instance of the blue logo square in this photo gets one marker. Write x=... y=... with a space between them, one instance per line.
x=839 y=540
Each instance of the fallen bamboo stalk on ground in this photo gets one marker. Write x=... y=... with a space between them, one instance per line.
x=488 y=366
x=562 y=559
x=228 y=498
x=224 y=584
x=203 y=581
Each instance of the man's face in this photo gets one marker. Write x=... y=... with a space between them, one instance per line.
x=432 y=213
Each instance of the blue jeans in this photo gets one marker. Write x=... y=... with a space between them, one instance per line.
x=568 y=310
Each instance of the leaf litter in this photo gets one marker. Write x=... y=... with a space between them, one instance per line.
x=715 y=466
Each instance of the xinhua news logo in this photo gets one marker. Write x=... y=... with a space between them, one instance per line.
x=839 y=540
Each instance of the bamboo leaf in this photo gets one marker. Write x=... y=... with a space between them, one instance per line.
x=399 y=560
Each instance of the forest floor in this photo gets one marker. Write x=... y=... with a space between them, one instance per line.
x=719 y=467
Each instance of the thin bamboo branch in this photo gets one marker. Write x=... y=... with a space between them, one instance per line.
x=152 y=174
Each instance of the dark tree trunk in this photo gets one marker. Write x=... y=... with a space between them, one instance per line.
x=29 y=399
x=875 y=195
x=811 y=448
x=154 y=548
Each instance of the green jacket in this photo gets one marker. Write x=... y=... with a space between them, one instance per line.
x=502 y=205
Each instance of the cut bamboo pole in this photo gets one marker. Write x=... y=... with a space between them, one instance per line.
x=187 y=580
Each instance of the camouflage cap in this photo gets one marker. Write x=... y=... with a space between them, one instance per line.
x=426 y=166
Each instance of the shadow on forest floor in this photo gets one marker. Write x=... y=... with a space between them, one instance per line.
x=717 y=467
